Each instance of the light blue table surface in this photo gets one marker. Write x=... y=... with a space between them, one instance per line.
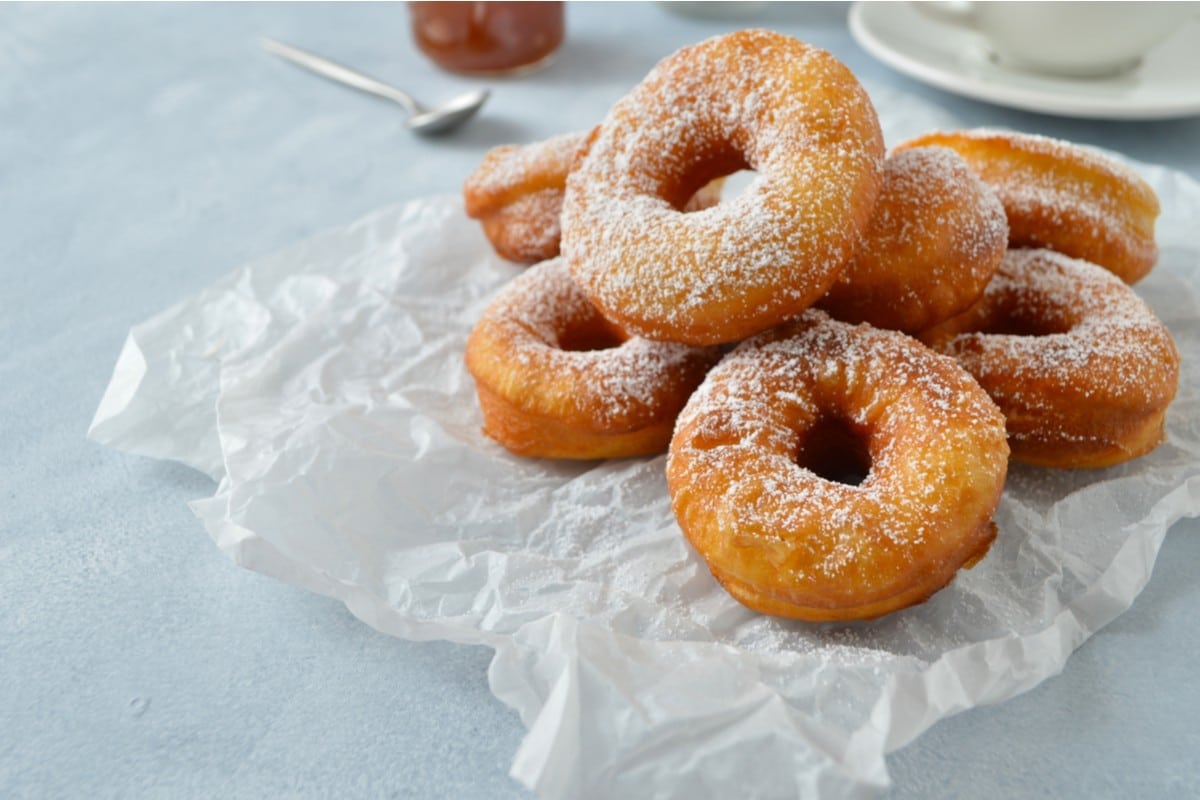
x=146 y=150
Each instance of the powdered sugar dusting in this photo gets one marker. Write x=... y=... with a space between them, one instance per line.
x=1109 y=330
x=509 y=171
x=1062 y=150
x=517 y=193
x=936 y=236
x=756 y=99
x=527 y=229
x=1094 y=357
x=936 y=444
x=1064 y=196
x=934 y=177
x=615 y=389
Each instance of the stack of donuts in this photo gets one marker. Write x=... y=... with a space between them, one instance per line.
x=840 y=360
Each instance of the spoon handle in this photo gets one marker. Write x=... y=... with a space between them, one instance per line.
x=341 y=74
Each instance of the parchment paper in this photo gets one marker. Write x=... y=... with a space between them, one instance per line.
x=324 y=388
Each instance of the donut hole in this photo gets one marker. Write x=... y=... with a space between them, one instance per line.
x=737 y=183
x=593 y=334
x=722 y=188
x=720 y=162
x=835 y=450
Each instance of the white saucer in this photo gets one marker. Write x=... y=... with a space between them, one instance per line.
x=1165 y=85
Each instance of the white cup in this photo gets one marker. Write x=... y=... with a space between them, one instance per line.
x=1071 y=39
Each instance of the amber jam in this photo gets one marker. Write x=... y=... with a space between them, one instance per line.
x=488 y=38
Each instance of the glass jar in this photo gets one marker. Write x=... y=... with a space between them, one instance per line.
x=488 y=38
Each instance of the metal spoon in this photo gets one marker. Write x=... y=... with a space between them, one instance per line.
x=421 y=119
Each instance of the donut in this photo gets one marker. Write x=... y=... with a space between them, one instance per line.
x=751 y=99
x=1081 y=367
x=935 y=238
x=556 y=380
x=827 y=471
x=516 y=193
x=1063 y=197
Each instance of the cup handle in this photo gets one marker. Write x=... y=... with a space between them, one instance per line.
x=960 y=13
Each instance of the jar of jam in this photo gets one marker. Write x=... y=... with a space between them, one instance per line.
x=488 y=38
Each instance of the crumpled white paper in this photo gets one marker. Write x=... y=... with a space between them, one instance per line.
x=324 y=388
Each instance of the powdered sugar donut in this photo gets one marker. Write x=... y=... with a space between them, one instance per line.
x=516 y=193
x=756 y=469
x=1064 y=197
x=556 y=380
x=1081 y=367
x=753 y=99
x=936 y=237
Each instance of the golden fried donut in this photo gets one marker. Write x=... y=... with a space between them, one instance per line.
x=752 y=99
x=516 y=193
x=756 y=469
x=935 y=238
x=1080 y=366
x=555 y=380
x=1063 y=197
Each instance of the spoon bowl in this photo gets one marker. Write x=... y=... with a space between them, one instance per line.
x=449 y=115
x=421 y=119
